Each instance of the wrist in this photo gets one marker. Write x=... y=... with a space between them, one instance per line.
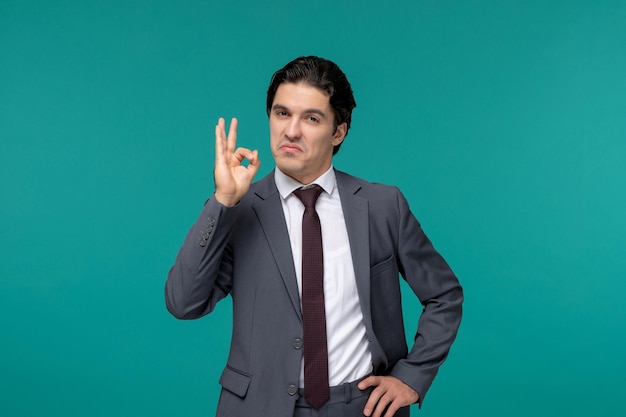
x=226 y=200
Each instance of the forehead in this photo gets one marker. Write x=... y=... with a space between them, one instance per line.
x=301 y=95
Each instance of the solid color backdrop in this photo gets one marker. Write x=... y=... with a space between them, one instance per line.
x=503 y=123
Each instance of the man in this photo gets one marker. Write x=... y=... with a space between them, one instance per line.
x=317 y=320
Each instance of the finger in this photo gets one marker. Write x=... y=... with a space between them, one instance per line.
x=391 y=410
x=232 y=135
x=381 y=405
x=370 y=381
x=373 y=399
x=254 y=159
x=220 y=139
x=255 y=163
x=252 y=156
x=242 y=153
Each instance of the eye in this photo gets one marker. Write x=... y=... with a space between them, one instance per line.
x=313 y=119
x=280 y=113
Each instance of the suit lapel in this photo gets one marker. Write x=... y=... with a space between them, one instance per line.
x=269 y=211
x=356 y=215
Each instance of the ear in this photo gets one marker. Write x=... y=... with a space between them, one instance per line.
x=340 y=133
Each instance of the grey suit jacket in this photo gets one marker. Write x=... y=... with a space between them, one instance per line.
x=244 y=251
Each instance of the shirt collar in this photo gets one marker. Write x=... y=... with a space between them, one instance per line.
x=287 y=185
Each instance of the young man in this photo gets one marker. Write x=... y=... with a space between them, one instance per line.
x=311 y=257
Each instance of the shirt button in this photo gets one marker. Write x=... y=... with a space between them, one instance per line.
x=297 y=343
x=292 y=390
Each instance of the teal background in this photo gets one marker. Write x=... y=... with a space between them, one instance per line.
x=502 y=121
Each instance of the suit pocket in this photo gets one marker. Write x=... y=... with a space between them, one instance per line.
x=235 y=381
x=385 y=283
x=386 y=302
x=382 y=266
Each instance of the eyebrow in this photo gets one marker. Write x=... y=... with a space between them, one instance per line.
x=306 y=111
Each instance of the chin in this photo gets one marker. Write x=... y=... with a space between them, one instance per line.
x=287 y=161
x=290 y=169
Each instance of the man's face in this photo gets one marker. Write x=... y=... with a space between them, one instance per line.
x=302 y=131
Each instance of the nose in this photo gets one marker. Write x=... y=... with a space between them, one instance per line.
x=293 y=130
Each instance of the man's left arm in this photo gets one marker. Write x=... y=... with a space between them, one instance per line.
x=439 y=291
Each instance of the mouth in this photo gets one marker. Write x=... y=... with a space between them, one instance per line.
x=290 y=147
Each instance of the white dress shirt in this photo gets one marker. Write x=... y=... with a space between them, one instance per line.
x=349 y=357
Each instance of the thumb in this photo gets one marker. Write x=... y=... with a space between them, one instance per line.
x=255 y=163
x=370 y=381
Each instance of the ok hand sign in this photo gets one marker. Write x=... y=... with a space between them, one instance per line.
x=232 y=179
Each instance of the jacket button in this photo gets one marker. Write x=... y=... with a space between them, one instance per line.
x=292 y=390
x=297 y=343
x=203 y=243
x=211 y=221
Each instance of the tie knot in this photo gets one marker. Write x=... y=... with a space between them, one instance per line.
x=309 y=196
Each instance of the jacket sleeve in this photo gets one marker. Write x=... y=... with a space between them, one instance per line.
x=201 y=274
x=441 y=295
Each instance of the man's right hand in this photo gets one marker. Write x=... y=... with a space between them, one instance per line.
x=232 y=179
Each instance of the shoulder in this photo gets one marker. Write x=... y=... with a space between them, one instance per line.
x=385 y=201
x=366 y=189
